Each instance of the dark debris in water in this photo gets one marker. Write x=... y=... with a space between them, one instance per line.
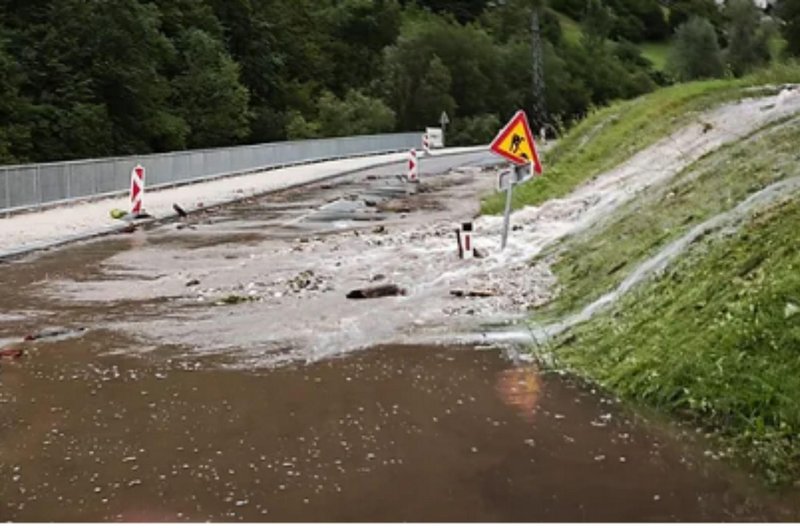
x=386 y=290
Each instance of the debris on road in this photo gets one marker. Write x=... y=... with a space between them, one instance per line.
x=386 y=290
x=306 y=280
x=395 y=206
x=235 y=299
x=472 y=293
x=117 y=213
x=52 y=333
x=177 y=208
x=192 y=282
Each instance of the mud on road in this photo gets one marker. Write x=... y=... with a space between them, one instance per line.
x=397 y=433
x=213 y=369
x=265 y=280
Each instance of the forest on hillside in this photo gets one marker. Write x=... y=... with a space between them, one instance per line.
x=92 y=78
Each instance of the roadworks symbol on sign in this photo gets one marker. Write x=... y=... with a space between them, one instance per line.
x=515 y=143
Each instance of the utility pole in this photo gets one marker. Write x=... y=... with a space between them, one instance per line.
x=539 y=111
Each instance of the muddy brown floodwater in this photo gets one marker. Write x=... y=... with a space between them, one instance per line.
x=410 y=433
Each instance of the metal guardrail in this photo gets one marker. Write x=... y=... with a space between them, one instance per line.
x=36 y=185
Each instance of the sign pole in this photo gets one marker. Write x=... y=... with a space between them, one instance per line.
x=515 y=143
x=443 y=121
x=507 y=215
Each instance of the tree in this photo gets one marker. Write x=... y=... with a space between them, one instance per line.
x=91 y=78
x=432 y=96
x=128 y=54
x=356 y=114
x=251 y=41
x=474 y=130
x=680 y=11
x=208 y=94
x=297 y=127
x=655 y=23
x=466 y=52
x=695 y=52
x=747 y=39
x=52 y=105
x=360 y=30
x=463 y=10
x=597 y=24
x=789 y=12
x=15 y=134
x=573 y=8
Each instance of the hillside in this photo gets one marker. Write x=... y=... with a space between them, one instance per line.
x=653 y=51
x=684 y=295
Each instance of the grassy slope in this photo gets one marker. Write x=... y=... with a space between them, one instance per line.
x=613 y=134
x=656 y=53
x=596 y=261
x=715 y=341
x=570 y=29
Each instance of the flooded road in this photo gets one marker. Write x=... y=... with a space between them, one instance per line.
x=143 y=395
x=412 y=433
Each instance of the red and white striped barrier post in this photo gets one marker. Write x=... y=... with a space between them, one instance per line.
x=465 y=244
x=413 y=166
x=137 y=189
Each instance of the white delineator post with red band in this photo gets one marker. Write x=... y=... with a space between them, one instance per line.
x=413 y=166
x=137 y=189
x=464 y=241
x=426 y=144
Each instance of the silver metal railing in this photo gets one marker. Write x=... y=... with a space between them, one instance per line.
x=34 y=185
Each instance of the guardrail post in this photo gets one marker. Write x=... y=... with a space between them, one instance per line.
x=38 y=184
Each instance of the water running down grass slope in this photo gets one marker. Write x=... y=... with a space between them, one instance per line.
x=714 y=340
x=593 y=262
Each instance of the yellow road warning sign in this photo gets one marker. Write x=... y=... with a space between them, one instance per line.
x=515 y=143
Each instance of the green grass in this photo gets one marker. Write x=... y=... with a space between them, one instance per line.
x=656 y=53
x=570 y=29
x=613 y=134
x=777 y=46
x=594 y=262
x=715 y=341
